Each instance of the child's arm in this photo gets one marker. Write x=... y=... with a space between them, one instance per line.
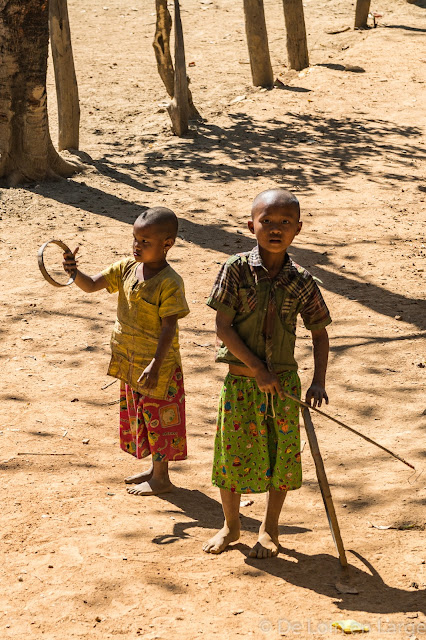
x=266 y=381
x=149 y=377
x=316 y=391
x=89 y=284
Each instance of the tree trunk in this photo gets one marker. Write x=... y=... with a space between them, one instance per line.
x=26 y=150
x=361 y=14
x=257 y=42
x=161 y=46
x=163 y=56
x=179 y=106
x=297 y=47
x=66 y=81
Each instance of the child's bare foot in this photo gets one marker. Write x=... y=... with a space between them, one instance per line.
x=220 y=541
x=139 y=477
x=266 y=546
x=151 y=487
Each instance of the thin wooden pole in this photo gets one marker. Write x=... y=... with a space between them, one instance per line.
x=65 y=78
x=297 y=47
x=325 y=487
x=361 y=14
x=179 y=107
x=342 y=424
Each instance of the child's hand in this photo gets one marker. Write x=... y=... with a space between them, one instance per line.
x=317 y=393
x=269 y=382
x=70 y=263
x=149 y=377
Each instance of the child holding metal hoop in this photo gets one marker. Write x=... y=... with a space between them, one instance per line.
x=257 y=297
x=145 y=347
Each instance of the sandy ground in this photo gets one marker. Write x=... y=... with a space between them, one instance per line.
x=80 y=557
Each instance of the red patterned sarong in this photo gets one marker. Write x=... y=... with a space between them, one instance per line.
x=149 y=426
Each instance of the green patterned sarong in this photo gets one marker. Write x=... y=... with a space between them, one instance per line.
x=255 y=451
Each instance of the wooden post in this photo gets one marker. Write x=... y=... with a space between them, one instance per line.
x=297 y=47
x=179 y=107
x=324 y=486
x=65 y=78
x=257 y=42
x=361 y=14
x=163 y=56
x=161 y=46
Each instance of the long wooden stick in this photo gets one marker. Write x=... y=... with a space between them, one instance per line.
x=30 y=453
x=342 y=424
x=325 y=487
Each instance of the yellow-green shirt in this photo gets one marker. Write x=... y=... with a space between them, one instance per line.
x=141 y=305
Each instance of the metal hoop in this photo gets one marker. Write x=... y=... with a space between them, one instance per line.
x=43 y=270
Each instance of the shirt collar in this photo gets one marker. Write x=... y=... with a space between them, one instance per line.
x=254 y=259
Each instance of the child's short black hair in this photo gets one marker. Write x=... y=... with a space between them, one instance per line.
x=278 y=197
x=161 y=217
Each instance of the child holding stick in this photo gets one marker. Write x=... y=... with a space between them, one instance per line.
x=145 y=347
x=257 y=297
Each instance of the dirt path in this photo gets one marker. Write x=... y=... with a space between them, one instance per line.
x=80 y=557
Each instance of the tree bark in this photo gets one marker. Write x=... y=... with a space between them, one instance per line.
x=26 y=150
x=179 y=106
x=297 y=47
x=66 y=81
x=161 y=46
x=257 y=42
x=361 y=14
x=163 y=56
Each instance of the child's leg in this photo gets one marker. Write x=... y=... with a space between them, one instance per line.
x=268 y=543
x=159 y=482
x=284 y=447
x=161 y=428
x=133 y=437
x=230 y=531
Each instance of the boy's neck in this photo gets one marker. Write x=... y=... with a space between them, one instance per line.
x=273 y=262
x=147 y=270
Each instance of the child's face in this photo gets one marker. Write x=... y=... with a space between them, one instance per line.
x=275 y=226
x=149 y=243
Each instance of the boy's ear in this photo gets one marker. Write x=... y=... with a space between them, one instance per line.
x=299 y=228
x=168 y=243
x=250 y=225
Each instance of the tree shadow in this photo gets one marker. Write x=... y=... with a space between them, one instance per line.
x=367 y=294
x=340 y=147
x=85 y=197
x=288 y=87
x=331 y=65
x=105 y=168
x=337 y=149
x=406 y=27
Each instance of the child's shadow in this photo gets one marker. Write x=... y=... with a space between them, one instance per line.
x=320 y=573
x=207 y=513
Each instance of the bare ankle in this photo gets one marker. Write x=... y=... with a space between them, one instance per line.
x=160 y=472
x=233 y=525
